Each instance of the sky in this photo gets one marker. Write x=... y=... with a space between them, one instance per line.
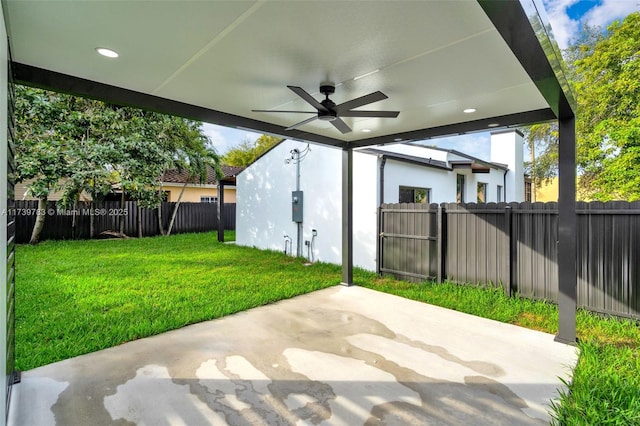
x=566 y=17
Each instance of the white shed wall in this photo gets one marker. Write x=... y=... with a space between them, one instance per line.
x=263 y=213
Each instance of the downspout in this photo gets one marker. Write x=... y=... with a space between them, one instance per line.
x=383 y=161
x=504 y=185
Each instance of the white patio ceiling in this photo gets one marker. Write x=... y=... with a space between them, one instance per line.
x=433 y=59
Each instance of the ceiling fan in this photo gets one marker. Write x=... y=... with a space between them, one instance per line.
x=327 y=110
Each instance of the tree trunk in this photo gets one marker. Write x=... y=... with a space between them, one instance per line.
x=139 y=221
x=40 y=216
x=175 y=209
x=160 y=227
x=122 y=207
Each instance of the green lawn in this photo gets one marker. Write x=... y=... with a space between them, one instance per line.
x=74 y=297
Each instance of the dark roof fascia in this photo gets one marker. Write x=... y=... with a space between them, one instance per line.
x=427 y=162
x=525 y=28
x=463 y=155
x=51 y=80
x=471 y=165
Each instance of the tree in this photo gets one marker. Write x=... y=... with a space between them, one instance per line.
x=41 y=151
x=608 y=128
x=606 y=72
x=195 y=157
x=542 y=142
x=247 y=152
x=76 y=144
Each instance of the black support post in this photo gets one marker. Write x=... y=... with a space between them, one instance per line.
x=567 y=269
x=347 y=217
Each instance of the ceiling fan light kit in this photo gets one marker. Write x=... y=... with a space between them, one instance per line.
x=327 y=110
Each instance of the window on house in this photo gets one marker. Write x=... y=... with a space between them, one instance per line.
x=460 y=188
x=414 y=195
x=527 y=191
x=482 y=192
x=208 y=199
x=500 y=198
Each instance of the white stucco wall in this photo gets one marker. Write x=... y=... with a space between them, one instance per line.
x=3 y=216
x=263 y=192
x=397 y=174
x=507 y=147
x=492 y=179
x=441 y=182
x=263 y=203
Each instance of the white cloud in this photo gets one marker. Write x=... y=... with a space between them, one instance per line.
x=611 y=10
x=564 y=28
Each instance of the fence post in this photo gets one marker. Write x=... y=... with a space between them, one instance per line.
x=440 y=224
x=508 y=219
x=220 y=211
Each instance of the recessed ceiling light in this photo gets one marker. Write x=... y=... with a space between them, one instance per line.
x=398 y=139
x=493 y=125
x=366 y=130
x=107 y=52
x=469 y=110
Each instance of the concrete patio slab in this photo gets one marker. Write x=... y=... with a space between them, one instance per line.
x=339 y=356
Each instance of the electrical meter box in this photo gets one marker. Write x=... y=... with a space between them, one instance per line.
x=296 y=206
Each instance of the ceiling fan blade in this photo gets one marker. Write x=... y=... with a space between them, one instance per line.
x=363 y=100
x=381 y=114
x=302 y=123
x=341 y=125
x=288 y=112
x=307 y=97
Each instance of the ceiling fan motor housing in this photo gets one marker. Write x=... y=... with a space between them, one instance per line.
x=330 y=114
x=327 y=88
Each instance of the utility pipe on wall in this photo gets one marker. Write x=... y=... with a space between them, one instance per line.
x=297 y=156
x=296 y=153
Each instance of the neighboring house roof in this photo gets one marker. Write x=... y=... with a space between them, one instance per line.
x=407 y=158
x=182 y=176
x=474 y=161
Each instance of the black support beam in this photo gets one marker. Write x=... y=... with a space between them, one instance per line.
x=347 y=217
x=567 y=268
x=51 y=80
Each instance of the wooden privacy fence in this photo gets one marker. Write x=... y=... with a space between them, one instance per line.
x=515 y=245
x=75 y=223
